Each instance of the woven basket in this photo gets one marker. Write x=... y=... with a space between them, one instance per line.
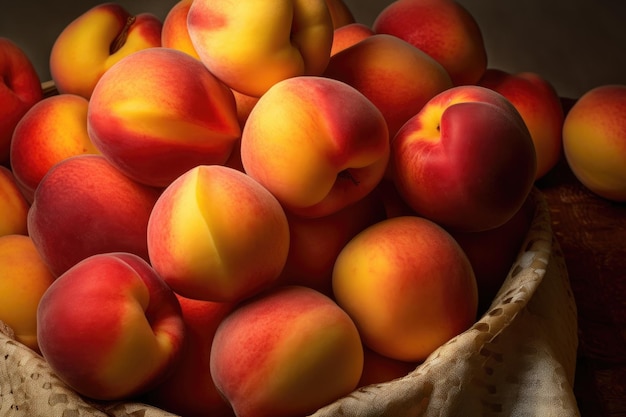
x=519 y=359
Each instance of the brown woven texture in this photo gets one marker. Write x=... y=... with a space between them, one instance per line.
x=519 y=359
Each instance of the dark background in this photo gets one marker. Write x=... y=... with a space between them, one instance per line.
x=575 y=44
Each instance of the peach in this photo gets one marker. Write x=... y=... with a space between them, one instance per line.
x=286 y=352
x=395 y=75
x=250 y=46
x=316 y=143
x=348 y=35
x=23 y=280
x=340 y=13
x=408 y=286
x=216 y=234
x=443 y=29
x=493 y=252
x=13 y=205
x=316 y=242
x=94 y=41
x=20 y=89
x=52 y=130
x=466 y=160
x=378 y=368
x=85 y=206
x=538 y=103
x=594 y=140
x=158 y=113
x=174 y=33
x=109 y=327
x=190 y=391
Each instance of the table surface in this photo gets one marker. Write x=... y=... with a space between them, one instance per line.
x=592 y=234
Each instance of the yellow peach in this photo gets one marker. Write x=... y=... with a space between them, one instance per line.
x=24 y=278
x=13 y=205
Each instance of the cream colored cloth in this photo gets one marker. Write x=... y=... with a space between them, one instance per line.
x=519 y=359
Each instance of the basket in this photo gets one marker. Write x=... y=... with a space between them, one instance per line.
x=518 y=359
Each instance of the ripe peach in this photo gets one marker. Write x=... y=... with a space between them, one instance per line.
x=251 y=47
x=443 y=29
x=286 y=352
x=538 y=103
x=408 y=286
x=316 y=242
x=190 y=390
x=20 y=89
x=85 y=206
x=378 y=368
x=348 y=35
x=23 y=279
x=340 y=13
x=109 y=327
x=94 y=41
x=52 y=130
x=174 y=33
x=216 y=234
x=159 y=113
x=466 y=160
x=594 y=140
x=395 y=75
x=316 y=143
x=13 y=205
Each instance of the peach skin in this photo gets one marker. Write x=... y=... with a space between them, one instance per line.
x=348 y=35
x=443 y=29
x=94 y=41
x=408 y=286
x=23 y=280
x=52 y=130
x=316 y=143
x=216 y=234
x=85 y=206
x=160 y=112
x=395 y=75
x=594 y=140
x=340 y=13
x=189 y=390
x=20 y=89
x=251 y=47
x=174 y=33
x=538 y=103
x=286 y=352
x=110 y=328
x=13 y=205
x=466 y=160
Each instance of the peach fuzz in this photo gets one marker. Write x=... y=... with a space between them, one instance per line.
x=85 y=206
x=94 y=41
x=23 y=280
x=466 y=160
x=348 y=35
x=189 y=390
x=408 y=286
x=20 y=89
x=443 y=29
x=52 y=130
x=160 y=112
x=109 y=327
x=216 y=234
x=286 y=352
x=538 y=103
x=316 y=242
x=395 y=75
x=594 y=140
x=174 y=33
x=251 y=47
x=316 y=143
x=13 y=205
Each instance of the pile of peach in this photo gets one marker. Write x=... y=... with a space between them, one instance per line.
x=254 y=210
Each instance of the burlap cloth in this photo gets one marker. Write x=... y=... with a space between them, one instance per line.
x=519 y=359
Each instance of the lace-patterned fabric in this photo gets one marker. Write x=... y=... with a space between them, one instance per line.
x=519 y=359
